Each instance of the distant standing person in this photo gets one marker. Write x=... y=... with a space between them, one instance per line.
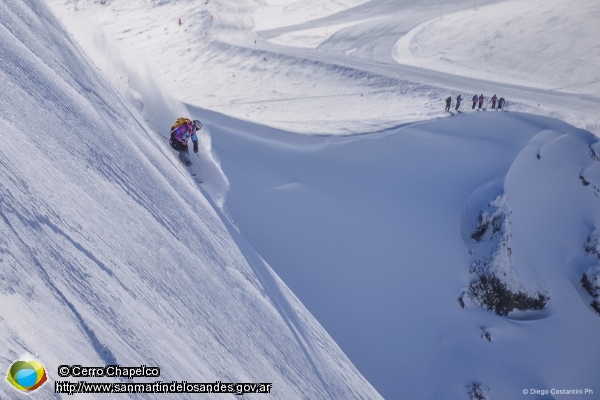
x=458 y=100
x=448 y=102
x=480 y=100
x=500 y=103
x=494 y=100
x=474 y=102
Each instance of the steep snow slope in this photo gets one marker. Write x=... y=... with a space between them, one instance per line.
x=109 y=252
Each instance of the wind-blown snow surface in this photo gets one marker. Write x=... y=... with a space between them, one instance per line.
x=374 y=235
x=381 y=234
x=109 y=253
x=492 y=43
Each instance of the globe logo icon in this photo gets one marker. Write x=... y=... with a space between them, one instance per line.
x=26 y=374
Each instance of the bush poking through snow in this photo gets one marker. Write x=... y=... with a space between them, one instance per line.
x=591 y=278
x=593 y=154
x=476 y=391
x=497 y=286
x=592 y=244
x=591 y=283
x=492 y=293
x=485 y=225
x=485 y=334
x=584 y=181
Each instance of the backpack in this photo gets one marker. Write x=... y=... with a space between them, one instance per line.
x=180 y=121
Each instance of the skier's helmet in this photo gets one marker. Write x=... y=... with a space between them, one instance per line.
x=196 y=125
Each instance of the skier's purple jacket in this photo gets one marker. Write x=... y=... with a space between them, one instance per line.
x=183 y=133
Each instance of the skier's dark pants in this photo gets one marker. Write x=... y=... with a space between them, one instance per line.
x=179 y=146
x=182 y=148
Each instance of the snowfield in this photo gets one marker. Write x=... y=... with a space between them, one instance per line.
x=339 y=235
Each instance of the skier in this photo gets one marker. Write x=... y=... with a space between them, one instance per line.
x=494 y=100
x=474 y=102
x=480 y=100
x=181 y=132
x=448 y=102
x=500 y=103
x=458 y=100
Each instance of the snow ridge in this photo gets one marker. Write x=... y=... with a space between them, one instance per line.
x=497 y=286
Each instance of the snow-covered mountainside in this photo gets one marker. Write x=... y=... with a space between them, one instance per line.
x=557 y=36
x=449 y=255
x=303 y=67
x=110 y=253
